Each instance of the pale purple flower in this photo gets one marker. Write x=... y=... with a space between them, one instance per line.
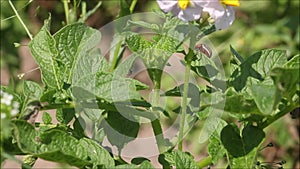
x=187 y=10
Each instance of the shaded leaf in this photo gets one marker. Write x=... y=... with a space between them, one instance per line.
x=240 y=145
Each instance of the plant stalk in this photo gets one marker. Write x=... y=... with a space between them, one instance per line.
x=18 y=16
x=205 y=162
x=116 y=56
x=279 y=115
x=156 y=126
x=184 y=103
x=66 y=8
x=132 y=6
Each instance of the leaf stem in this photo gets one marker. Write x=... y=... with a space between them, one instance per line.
x=18 y=16
x=132 y=6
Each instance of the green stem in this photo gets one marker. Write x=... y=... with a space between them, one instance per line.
x=131 y=8
x=66 y=8
x=184 y=103
x=279 y=115
x=116 y=56
x=18 y=16
x=156 y=126
x=205 y=162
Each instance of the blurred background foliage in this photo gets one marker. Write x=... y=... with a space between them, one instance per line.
x=259 y=24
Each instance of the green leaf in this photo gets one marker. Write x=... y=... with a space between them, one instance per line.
x=215 y=148
x=239 y=59
x=238 y=104
x=180 y=159
x=120 y=128
x=65 y=115
x=59 y=146
x=294 y=62
x=240 y=145
x=257 y=68
x=44 y=52
x=265 y=98
x=139 y=160
x=73 y=42
x=97 y=155
x=106 y=84
x=32 y=90
x=143 y=24
x=58 y=55
x=88 y=66
x=32 y=93
x=143 y=165
x=47 y=119
x=286 y=80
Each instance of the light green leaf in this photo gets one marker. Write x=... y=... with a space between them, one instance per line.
x=265 y=97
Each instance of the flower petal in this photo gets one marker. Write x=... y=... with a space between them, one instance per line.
x=226 y=20
x=223 y=17
x=167 y=6
x=190 y=14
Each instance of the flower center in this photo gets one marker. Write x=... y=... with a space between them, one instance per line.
x=231 y=2
x=183 y=4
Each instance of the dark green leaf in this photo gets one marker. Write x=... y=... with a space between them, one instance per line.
x=139 y=160
x=120 y=128
x=237 y=145
x=65 y=115
x=236 y=55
